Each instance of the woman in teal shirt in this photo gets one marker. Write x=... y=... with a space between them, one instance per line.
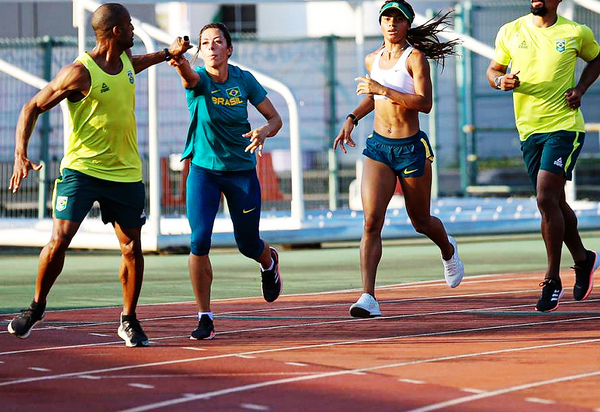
x=222 y=146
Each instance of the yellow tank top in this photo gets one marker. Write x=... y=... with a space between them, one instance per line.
x=103 y=139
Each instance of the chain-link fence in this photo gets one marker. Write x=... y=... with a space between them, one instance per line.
x=320 y=73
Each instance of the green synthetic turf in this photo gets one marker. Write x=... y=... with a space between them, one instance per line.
x=90 y=279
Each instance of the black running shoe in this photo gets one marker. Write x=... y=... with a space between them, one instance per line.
x=22 y=324
x=272 y=284
x=131 y=332
x=584 y=275
x=205 y=330
x=552 y=291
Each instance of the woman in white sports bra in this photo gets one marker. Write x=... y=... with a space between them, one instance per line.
x=397 y=89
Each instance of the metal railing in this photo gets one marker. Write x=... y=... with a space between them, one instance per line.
x=570 y=187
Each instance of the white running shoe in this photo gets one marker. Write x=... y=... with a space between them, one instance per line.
x=454 y=269
x=365 y=307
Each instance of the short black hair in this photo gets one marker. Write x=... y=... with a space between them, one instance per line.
x=106 y=17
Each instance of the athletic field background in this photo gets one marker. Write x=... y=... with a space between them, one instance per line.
x=90 y=278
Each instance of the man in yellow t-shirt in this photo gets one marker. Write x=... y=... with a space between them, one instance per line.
x=541 y=49
x=101 y=164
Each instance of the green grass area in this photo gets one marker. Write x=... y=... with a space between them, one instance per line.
x=90 y=278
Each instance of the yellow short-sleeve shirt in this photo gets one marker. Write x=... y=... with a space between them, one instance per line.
x=545 y=59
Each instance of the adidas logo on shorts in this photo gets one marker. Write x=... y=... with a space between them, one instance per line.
x=558 y=162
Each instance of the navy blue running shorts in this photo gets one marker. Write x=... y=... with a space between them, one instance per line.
x=406 y=156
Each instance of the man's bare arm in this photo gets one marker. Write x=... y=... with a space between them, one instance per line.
x=71 y=81
x=177 y=48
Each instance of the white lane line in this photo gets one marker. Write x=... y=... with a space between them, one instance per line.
x=490 y=394
x=408 y=285
x=141 y=385
x=333 y=344
x=296 y=364
x=192 y=348
x=100 y=334
x=471 y=390
x=34 y=368
x=90 y=377
x=237 y=389
x=416 y=382
x=254 y=407
x=502 y=277
x=129 y=377
x=538 y=400
x=241 y=355
x=312 y=324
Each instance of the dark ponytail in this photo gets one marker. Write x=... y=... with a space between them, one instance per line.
x=425 y=37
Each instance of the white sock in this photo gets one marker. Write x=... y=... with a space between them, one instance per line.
x=270 y=267
x=210 y=315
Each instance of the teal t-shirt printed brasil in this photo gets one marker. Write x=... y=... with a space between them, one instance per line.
x=219 y=118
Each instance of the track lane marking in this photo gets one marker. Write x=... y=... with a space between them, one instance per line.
x=476 y=279
x=538 y=400
x=225 y=315
x=470 y=390
x=254 y=407
x=237 y=389
x=416 y=382
x=345 y=320
x=192 y=348
x=141 y=385
x=328 y=345
x=458 y=401
x=296 y=364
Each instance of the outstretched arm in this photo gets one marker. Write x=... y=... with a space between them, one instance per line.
x=189 y=77
x=177 y=48
x=71 y=81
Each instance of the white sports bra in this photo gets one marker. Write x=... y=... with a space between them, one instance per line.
x=396 y=78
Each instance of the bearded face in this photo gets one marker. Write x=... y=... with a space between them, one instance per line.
x=538 y=8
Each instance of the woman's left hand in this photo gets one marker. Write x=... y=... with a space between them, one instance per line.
x=257 y=139
x=366 y=85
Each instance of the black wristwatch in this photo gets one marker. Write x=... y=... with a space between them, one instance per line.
x=167 y=54
x=354 y=119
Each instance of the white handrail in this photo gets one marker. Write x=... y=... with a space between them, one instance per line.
x=466 y=41
x=592 y=5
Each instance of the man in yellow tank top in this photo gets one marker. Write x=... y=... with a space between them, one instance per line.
x=101 y=164
x=542 y=50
